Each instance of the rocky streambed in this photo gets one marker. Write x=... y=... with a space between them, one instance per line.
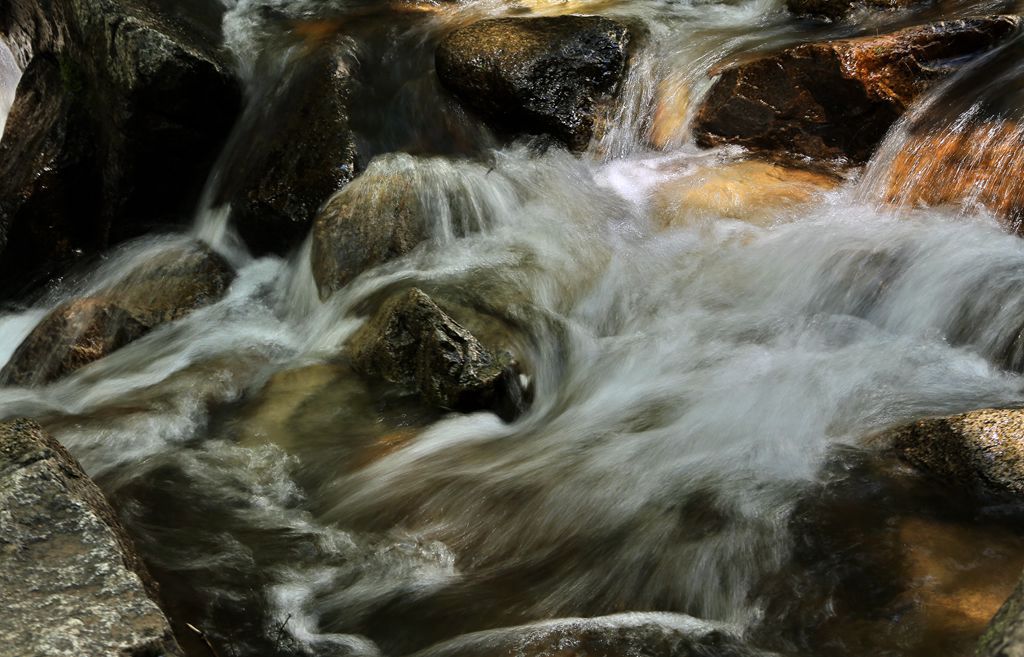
x=510 y=328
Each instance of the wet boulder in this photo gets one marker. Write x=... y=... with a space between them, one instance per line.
x=974 y=165
x=294 y=150
x=1004 y=636
x=545 y=75
x=622 y=635
x=411 y=342
x=376 y=218
x=116 y=123
x=979 y=449
x=835 y=100
x=78 y=332
x=72 y=582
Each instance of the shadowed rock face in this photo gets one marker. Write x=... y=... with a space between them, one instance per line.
x=983 y=448
x=82 y=331
x=412 y=343
x=114 y=128
x=1005 y=634
x=71 y=581
x=304 y=153
x=837 y=99
x=536 y=75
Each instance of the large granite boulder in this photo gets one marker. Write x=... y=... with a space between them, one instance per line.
x=164 y=288
x=982 y=448
x=295 y=149
x=836 y=100
x=116 y=123
x=412 y=343
x=536 y=75
x=71 y=581
x=622 y=635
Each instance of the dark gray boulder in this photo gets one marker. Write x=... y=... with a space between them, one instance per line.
x=121 y=112
x=836 y=10
x=536 y=75
x=71 y=581
x=1004 y=636
x=412 y=343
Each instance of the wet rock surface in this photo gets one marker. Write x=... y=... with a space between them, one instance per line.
x=305 y=152
x=1004 y=636
x=980 y=448
x=122 y=110
x=81 y=331
x=836 y=100
x=71 y=581
x=623 y=635
x=373 y=220
x=536 y=75
x=411 y=342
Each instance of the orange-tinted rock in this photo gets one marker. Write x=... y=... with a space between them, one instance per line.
x=836 y=100
x=978 y=165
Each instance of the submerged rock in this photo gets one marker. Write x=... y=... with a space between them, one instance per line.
x=373 y=220
x=983 y=448
x=756 y=192
x=536 y=75
x=980 y=164
x=836 y=100
x=82 y=331
x=1004 y=636
x=304 y=152
x=71 y=581
x=411 y=342
x=115 y=125
x=623 y=635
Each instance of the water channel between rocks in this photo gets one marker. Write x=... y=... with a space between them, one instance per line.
x=706 y=375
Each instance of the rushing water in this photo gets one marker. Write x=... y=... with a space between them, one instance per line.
x=10 y=73
x=701 y=395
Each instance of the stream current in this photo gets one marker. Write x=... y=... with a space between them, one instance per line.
x=703 y=396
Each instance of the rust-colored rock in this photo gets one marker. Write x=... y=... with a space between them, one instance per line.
x=978 y=165
x=836 y=100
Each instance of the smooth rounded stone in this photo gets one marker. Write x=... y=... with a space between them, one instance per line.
x=1004 y=636
x=71 y=581
x=980 y=164
x=294 y=151
x=162 y=289
x=117 y=120
x=983 y=448
x=546 y=75
x=376 y=218
x=759 y=193
x=621 y=635
x=835 y=100
x=412 y=343
x=839 y=9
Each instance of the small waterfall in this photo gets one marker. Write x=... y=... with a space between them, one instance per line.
x=10 y=73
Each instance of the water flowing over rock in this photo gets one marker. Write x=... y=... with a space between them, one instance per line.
x=983 y=448
x=120 y=114
x=413 y=343
x=839 y=9
x=71 y=581
x=665 y=635
x=837 y=99
x=1005 y=634
x=305 y=152
x=536 y=75
x=81 y=331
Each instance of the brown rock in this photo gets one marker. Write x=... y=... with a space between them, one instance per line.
x=836 y=100
x=975 y=165
x=412 y=343
x=536 y=75
x=978 y=448
x=71 y=581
